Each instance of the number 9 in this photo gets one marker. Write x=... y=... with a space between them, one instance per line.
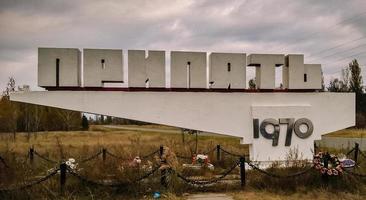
x=276 y=130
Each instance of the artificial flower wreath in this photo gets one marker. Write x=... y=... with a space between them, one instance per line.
x=334 y=165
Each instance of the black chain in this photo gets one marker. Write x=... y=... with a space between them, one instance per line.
x=207 y=182
x=44 y=158
x=30 y=184
x=362 y=154
x=91 y=157
x=115 y=156
x=3 y=161
x=126 y=159
x=190 y=157
x=233 y=154
x=150 y=154
x=348 y=153
x=183 y=157
x=86 y=180
x=212 y=150
x=147 y=174
x=356 y=174
x=115 y=184
x=276 y=175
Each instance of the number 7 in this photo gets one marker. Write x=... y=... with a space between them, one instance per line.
x=290 y=127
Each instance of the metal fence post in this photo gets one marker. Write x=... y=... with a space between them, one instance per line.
x=357 y=149
x=242 y=171
x=31 y=155
x=325 y=163
x=163 y=172
x=63 y=168
x=104 y=154
x=218 y=156
x=163 y=178
x=161 y=151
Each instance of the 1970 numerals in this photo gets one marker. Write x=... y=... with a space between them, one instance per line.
x=292 y=126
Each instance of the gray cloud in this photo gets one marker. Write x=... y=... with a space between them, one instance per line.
x=268 y=26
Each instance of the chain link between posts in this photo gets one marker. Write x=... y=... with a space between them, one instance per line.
x=185 y=179
x=253 y=166
x=3 y=161
x=30 y=184
x=150 y=154
x=91 y=157
x=115 y=184
x=210 y=151
x=362 y=154
x=190 y=157
x=348 y=153
x=207 y=182
x=356 y=174
x=44 y=158
x=126 y=159
x=232 y=154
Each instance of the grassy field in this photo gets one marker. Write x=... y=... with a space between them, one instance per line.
x=300 y=195
x=348 y=133
x=128 y=144
x=118 y=140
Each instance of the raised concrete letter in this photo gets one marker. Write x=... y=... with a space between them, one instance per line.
x=188 y=69
x=265 y=68
x=58 y=67
x=143 y=70
x=102 y=66
x=228 y=70
x=297 y=75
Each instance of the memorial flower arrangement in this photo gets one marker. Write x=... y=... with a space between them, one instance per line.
x=202 y=160
x=71 y=165
x=135 y=162
x=334 y=167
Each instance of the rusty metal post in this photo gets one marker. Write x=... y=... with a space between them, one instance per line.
x=218 y=151
x=63 y=168
x=242 y=171
x=357 y=151
x=104 y=154
x=31 y=155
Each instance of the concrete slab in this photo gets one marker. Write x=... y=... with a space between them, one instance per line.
x=210 y=196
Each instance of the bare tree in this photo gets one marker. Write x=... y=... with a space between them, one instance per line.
x=67 y=117
x=10 y=111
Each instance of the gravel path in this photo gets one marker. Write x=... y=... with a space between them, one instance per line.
x=210 y=196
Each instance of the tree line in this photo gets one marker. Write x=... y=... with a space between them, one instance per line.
x=351 y=81
x=22 y=117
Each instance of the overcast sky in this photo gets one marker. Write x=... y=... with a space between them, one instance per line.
x=329 y=32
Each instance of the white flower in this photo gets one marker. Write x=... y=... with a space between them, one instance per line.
x=137 y=160
x=210 y=166
x=72 y=160
x=201 y=156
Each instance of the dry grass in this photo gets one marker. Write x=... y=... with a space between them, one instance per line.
x=81 y=144
x=125 y=143
x=301 y=195
x=348 y=133
x=100 y=136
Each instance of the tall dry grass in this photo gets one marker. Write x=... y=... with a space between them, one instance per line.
x=128 y=144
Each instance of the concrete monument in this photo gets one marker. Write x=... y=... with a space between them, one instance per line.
x=201 y=97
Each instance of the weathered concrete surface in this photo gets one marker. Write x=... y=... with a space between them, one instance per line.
x=223 y=113
x=210 y=196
